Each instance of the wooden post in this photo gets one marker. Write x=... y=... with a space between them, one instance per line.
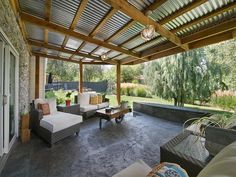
x=118 y=67
x=81 y=77
x=37 y=73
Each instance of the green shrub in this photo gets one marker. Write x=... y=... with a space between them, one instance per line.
x=140 y=92
x=50 y=94
x=225 y=100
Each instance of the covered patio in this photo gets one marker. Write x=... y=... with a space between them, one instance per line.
x=94 y=32
x=108 y=32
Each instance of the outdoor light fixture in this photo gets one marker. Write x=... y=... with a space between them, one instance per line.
x=104 y=56
x=148 y=33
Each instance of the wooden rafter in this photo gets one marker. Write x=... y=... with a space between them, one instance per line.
x=75 y=20
x=65 y=31
x=137 y=15
x=155 y=49
x=66 y=59
x=99 y=26
x=172 y=16
x=64 y=50
x=153 y=6
x=16 y=9
x=48 y=4
x=211 y=35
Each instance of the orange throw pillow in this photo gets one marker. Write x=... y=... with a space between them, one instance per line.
x=99 y=99
x=45 y=108
x=94 y=100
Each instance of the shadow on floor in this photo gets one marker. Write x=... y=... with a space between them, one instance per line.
x=95 y=152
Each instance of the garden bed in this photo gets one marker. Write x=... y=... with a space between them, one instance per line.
x=172 y=113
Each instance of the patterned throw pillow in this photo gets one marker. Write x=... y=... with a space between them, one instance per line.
x=99 y=99
x=94 y=100
x=45 y=108
x=166 y=169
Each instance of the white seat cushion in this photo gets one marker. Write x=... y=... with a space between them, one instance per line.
x=138 y=169
x=83 y=98
x=103 y=105
x=85 y=108
x=59 y=121
x=223 y=164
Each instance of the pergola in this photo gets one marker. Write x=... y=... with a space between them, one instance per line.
x=80 y=31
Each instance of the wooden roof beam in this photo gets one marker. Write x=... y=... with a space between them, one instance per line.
x=75 y=20
x=152 y=7
x=16 y=9
x=137 y=15
x=60 y=49
x=155 y=49
x=67 y=59
x=99 y=26
x=65 y=31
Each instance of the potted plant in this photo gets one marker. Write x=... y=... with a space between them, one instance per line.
x=124 y=104
x=68 y=99
x=219 y=130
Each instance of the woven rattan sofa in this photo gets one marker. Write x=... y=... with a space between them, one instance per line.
x=54 y=127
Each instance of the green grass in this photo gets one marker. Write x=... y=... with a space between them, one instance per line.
x=158 y=100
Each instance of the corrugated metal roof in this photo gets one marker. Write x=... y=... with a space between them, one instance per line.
x=34 y=7
x=55 y=38
x=63 y=11
x=35 y=32
x=73 y=43
x=94 y=11
x=76 y=57
x=134 y=30
x=101 y=51
x=52 y=52
x=64 y=55
x=117 y=21
x=88 y=47
x=112 y=54
x=141 y=4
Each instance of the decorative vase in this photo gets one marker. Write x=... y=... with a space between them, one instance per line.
x=124 y=105
x=68 y=102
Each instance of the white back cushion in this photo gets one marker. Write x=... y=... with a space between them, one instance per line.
x=38 y=101
x=52 y=105
x=83 y=98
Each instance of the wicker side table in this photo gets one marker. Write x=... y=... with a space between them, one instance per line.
x=187 y=150
x=72 y=109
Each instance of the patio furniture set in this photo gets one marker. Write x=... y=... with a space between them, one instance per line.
x=187 y=149
x=54 y=123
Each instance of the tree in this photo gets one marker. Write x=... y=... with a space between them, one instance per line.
x=93 y=73
x=62 y=71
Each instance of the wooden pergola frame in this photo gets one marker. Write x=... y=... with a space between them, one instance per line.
x=175 y=44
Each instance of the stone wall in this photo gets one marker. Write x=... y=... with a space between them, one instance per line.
x=10 y=27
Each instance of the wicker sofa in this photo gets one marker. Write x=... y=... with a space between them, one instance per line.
x=86 y=109
x=55 y=126
x=222 y=165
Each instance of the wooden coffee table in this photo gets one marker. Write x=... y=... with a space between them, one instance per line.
x=116 y=113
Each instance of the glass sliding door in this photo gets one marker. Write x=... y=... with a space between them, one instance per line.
x=9 y=114
x=1 y=96
x=12 y=98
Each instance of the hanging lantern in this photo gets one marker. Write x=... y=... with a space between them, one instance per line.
x=104 y=56
x=148 y=33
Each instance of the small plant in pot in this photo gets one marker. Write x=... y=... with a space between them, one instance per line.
x=219 y=130
x=68 y=99
x=124 y=104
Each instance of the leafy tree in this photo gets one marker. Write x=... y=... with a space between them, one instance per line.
x=62 y=71
x=93 y=73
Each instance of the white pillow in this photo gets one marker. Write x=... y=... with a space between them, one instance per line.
x=52 y=105
x=83 y=98
x=38 y=101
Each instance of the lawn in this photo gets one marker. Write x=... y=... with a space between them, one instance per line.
x=158 y=100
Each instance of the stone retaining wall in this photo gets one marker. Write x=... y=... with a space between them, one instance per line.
x=11 y=29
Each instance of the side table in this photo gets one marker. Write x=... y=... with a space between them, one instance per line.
x=72 y=109
x=187 y=150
